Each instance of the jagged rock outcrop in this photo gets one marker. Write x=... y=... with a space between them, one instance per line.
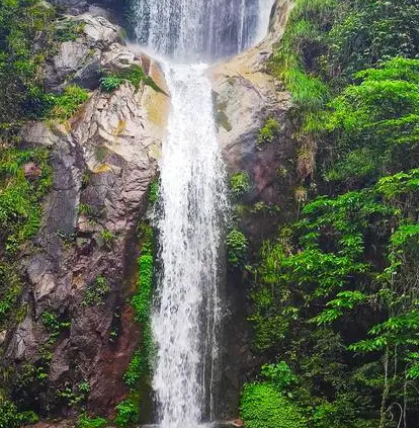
x=103 y=160
x=246 y=95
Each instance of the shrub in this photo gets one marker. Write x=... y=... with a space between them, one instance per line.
x=280 y=375
x=85 y=422
x=268 y=132
x=128 y=413
x=262 y=406
x=111 y=82
x=237 y=247
x=239 y=184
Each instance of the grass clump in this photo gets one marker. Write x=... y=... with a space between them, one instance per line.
x=268 y=132
x=262 y=406
x=65 y=105
x=133 y=74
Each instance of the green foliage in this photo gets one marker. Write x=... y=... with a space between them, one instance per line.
x=268 y=132
x=74 y=396
x=136 y=369
x=262 y=406
x=20 y=87
x=279 y=375
x=85 y=422
x=9 y=417
x=348 y=256
x=69 y=30
x=20 y=215
x=111 y=82
x=335 y=294
x=65 y=105
x=96 y=292
x=154 y=191
x=107 y=238
x=128 y=413
x=54 y=325
x=239 y=184
x=133 y=74
x=237 y=249
x=375 y=122
x=141 y=363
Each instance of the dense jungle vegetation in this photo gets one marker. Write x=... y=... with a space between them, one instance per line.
x=335 y=295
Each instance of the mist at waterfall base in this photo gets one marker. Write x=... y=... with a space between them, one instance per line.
x=186 y=319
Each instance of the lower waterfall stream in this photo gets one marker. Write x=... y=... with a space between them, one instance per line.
x=187 y=312
x=192 y=191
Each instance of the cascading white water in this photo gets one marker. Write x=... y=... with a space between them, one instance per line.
x=196 y=30
x=192 y=191
x=185 y=320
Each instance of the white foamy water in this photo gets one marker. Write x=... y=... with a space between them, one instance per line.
x=193 y=193
x=186 y=317
x=192 y=30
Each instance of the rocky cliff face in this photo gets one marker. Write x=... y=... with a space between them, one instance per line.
x=104 y=158
x=247 y=97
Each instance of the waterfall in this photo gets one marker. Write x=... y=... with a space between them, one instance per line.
x=192 y=191
x=196 y=30
x=186 y=317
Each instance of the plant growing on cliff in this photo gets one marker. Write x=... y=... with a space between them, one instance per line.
x=86 y=422
x=21 y=95
x=140 y=365
x=65 y=105
x=237 y=249
x=69 y=30
x=96 y=292
x=133 y=74
x=154 y=191
x=9 y=416
x=239 y=184
x=111 y=82
x=127 y=413
x=268 y=132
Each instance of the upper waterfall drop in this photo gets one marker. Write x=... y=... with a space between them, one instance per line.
x=196 y=30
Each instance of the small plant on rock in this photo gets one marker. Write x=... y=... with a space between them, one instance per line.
x=111 y=82
x=239 y=184
x=268 y=132
x=237 y=247
x=127 y=413
x=96 y=292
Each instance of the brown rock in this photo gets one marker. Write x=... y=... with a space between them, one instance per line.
x=32 y=170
